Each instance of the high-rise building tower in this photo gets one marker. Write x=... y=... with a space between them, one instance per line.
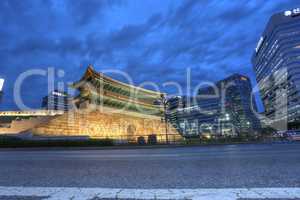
x=57 y=100
x=238 y=103
x=226 y=109
x=1 y=88
x=276 y=62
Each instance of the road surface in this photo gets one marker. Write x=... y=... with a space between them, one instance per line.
x=210 y=167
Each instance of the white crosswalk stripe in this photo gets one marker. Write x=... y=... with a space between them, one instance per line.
x=62 y=193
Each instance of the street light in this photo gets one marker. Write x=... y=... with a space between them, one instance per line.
x=165 y=103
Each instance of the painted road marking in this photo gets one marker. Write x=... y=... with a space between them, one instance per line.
x=62 y=193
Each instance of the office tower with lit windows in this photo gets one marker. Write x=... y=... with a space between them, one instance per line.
x=194 y=116
x=228 y=109
x=238 y=103
x=1 y=88
x=57 y=100
x=276 y=62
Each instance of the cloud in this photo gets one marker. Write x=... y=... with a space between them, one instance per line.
x=211 y=38
x=41 y=45
x=87 y=11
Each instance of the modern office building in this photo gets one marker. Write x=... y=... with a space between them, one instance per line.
x=238 y=103
x=1 y=84
x=194 y=116
x=57 y=100
x=1 y=88
x=226 y=109
x=276 y=62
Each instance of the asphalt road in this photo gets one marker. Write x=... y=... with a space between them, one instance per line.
x=226 y=166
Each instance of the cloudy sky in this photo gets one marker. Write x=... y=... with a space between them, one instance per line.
x=151 y=40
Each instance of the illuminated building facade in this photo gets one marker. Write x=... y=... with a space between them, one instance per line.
x=107 y=108
x=239 y=103
x=1 y=88
x=1 y=84
x=57 y=100
x=221 y=111
x=194 y=116
x=276 y=62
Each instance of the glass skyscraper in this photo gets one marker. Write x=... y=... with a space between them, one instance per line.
x=276 y=61
x=1 y=88
x=239 y=103
x=226 y=109
x=57 y=100
x=194 y=116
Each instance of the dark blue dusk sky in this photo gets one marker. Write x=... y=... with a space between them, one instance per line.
x=151 y=40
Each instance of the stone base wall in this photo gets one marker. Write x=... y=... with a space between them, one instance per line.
x=19 y=126
x=105 y=125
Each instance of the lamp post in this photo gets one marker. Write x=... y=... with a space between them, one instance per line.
x=164 y=102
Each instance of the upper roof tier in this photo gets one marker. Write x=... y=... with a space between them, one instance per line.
x=91 y=73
